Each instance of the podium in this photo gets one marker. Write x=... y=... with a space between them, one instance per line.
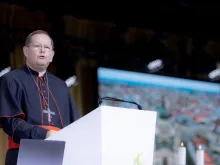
x=108 y=136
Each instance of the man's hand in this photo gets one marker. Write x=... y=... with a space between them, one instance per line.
x=50 y=133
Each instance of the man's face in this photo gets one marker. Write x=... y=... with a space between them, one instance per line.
x=39 y=53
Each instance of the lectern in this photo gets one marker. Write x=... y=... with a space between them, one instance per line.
x=109 y=136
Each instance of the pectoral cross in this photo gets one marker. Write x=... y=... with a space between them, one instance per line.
x=49 y=113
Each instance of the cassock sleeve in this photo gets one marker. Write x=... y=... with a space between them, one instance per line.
x=12 y=116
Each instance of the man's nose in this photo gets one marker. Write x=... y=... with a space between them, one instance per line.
x=42 y=49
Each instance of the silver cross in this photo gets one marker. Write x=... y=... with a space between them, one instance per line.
x=49 y=113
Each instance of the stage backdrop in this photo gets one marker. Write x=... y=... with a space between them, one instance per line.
x=188 y=110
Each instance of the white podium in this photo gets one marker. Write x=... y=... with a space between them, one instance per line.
x=109 y=136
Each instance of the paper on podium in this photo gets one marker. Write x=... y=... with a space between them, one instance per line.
x=110 y=135
x=40 y=152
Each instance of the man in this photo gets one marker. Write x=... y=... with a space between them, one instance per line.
x=33 y=103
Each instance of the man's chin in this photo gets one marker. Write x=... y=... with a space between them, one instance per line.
x=42 y=65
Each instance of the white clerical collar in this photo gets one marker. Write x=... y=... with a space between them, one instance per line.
x=40 y=74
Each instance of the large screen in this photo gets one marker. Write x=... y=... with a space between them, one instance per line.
x=188 y=110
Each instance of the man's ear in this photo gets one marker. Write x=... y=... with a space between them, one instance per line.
x=52 y=55
x=25 y=49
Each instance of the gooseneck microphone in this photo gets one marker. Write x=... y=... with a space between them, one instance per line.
x=100 y=100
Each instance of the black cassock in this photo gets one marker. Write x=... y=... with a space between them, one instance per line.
x=24 y=102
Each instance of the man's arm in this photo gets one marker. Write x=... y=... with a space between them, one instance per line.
x=12 y=115
x=18 y=129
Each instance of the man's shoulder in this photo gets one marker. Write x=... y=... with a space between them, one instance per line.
x=11 y=76
x=56 y=80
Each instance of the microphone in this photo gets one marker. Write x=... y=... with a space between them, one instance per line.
x=100 y=100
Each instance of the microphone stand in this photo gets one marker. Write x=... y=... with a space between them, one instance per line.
x=100 y=100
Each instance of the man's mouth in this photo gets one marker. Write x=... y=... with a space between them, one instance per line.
x=42 y=57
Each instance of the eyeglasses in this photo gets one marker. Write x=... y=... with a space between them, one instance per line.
x=40 y=47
